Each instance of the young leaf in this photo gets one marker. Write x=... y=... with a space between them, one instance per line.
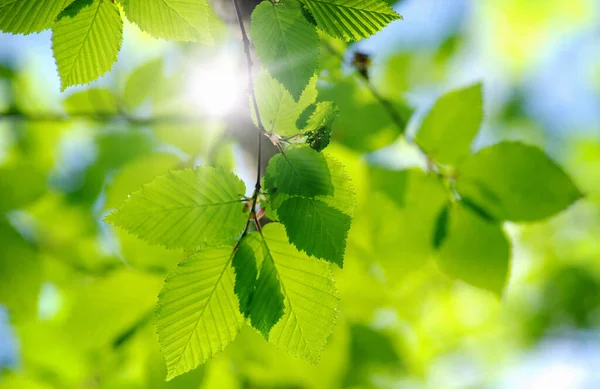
x=183 y=20
x=323 y=115
x=516 y=182
x=197 y=313
x=342 y=197
x=475 y=250
x=187 y=209
x=260 y=297
x=301 y=171
x=310 y=297
x=315 y=228
x=27 y=16
x=351 y=19
x=450 y=127
x=86 y=39
x=278 y=109
x=286 y=43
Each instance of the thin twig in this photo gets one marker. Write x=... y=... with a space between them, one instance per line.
x=260 y=126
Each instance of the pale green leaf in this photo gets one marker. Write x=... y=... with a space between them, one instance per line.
x=474 y=250
x=365 y=124
x=300 y=171
x=278 y=109
x=351 y=19
x=310 y=297
x=286 y=43
x=450 y=127
x=86 y=40
x=186 y=209
x=197 y=313
x=143 y=83
x=323 y=115
x=27 y=16
x=92 y=101
x=183 y=20
x=315 y=228
x=106 y=308
x=20 y=274
x=412 y=201
x=19 y=186
x=516 y=182
x=137 y=173
x=259 y=292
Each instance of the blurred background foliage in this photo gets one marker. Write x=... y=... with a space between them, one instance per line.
x=77 y=297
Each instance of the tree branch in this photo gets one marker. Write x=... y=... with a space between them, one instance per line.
x=260 y=126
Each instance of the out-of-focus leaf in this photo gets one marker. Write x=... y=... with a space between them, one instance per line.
x=91 y=101
x=20 y=274
x=143 y=83
x=475 y=250
x=516 y=182
x=450 y=127
x=108 y=307
x=411 y=200
x=365 y=124
x=19 y=186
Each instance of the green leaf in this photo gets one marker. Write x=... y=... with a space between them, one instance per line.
x=310 y=297
x=300 y=171
x=516 y=182
x=278 y=109
x=187 y=209
x=20 y=274
x=351 y=19
x=286 y=43
x=92 y=101
x=260 y=297
x=450 y=127
x=183 y=20
x=142 y=83
x=197 y=313
x=137 y=173
x=323 y=115
x=107 y=307
x=86 y=39
x=365 y=124
x=342 y=197
x=413 y=200
x=19 y=186
x=316 y=228
x=475 y=250
x=27 y=16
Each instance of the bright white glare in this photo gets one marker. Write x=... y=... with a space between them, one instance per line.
x=215 y=86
